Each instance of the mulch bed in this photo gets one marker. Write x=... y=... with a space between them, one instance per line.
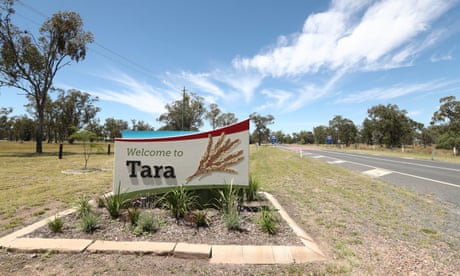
x=173 y=230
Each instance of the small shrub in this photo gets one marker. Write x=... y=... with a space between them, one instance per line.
x=88 y=222
x=232 y=220
x=179 y=201
x=268 y=221
x=147 y=223
x=56 y=224
x=252 y=189
x=200 y=218
x=228 y=199
x=83 y=206
x=134 y=214
x=115 y=202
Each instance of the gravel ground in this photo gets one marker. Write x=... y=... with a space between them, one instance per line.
x=173 y=230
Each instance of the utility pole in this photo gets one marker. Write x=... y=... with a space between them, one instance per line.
x=183 y=107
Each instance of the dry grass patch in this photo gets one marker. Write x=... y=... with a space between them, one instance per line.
x=33 y=186
x=355 y=217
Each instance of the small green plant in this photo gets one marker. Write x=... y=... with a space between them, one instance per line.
x=200 y=218
x=147 y=223
x=268 y=221
x=134 y=214
x=179 y=201
x=88 y=222
x=56 y=224
x=228 y=202
x=232 y=220
x=86 y=137
x=83 y=206
x=228 y=199
x=115 y=202
x=252 y=189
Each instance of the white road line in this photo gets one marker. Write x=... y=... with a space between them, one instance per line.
x=336 y=162
x=399 y=162
x=318 y=156
x=409 y=175
x=429 y=179
x=377 y=172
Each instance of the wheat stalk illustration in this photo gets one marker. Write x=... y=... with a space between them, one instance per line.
x=218 y=157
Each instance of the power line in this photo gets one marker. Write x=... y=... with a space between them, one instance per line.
x=128 y=60
x=140 y=67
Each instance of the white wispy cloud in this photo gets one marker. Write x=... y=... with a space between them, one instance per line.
x=139 y=95
x=394 y=92
x=203 y=82
x=351 y=34
x=244 y=83
x=275 y=98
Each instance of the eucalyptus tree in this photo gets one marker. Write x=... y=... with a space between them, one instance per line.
x=389 y=125
x=447 y=122
x=31 y=63
x=74 y=110
x=226 y=119
x=320 y=133
x=5 y=123
x=213 y=114
x=140 y=125
x=343 y=130
x=261 y=132
x=113 y=127
x=184 y=114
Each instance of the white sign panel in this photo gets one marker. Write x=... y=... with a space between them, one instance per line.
x=216 y=157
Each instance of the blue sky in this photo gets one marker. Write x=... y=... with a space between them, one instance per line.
x=301 y=61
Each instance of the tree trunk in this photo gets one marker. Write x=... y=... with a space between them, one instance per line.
x=39 y=138
x=40 y=100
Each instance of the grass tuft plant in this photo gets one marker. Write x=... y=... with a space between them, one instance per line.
x=88 y=222
x=228 y=198
x=252 y=189
x=115 y=202
x=147 y=223
x=268 y=221
x=179 y=201
x=134 y=214
x=200 y=218
x=232 y=220
x=56 y=224
x=228 y=202
x=83 y=206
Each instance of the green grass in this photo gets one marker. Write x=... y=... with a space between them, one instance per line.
x=29 y=181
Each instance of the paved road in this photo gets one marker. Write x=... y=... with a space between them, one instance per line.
x=425 y=176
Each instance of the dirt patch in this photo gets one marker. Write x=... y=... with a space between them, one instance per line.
x=84 y=171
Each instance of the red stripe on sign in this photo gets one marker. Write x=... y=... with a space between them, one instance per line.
x=237 y=127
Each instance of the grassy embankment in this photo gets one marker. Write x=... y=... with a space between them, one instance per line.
x=359 y=221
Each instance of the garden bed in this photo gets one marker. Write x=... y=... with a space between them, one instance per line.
x=183 y=229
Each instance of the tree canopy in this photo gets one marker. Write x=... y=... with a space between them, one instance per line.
x=388 y=125
x=30 y=64
x=184 y=114
x=446 y=123
x=343 y=130
x=261 y=132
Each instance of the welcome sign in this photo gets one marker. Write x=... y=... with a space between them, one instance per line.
x=200 y=159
